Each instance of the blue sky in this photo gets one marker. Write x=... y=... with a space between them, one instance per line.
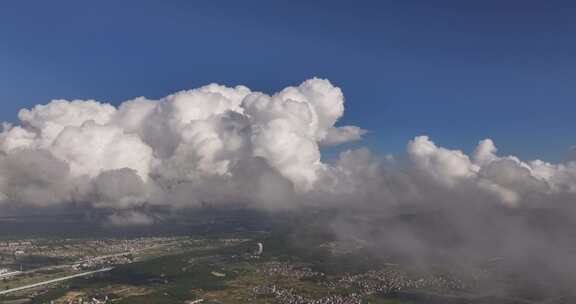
x=458 y=71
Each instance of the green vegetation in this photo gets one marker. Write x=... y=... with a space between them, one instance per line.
x=53 y=293
x=172 y=279
x=34 y=261
x=379 y=300
x=167 y=296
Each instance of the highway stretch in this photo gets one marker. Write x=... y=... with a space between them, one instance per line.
x=55 y=280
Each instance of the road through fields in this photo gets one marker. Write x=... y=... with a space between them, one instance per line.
x=55 y=280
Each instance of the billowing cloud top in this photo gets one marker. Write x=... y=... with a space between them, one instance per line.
x=209 y=143
x=221 y=144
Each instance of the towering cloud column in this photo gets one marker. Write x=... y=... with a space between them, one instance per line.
x=211 y=143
